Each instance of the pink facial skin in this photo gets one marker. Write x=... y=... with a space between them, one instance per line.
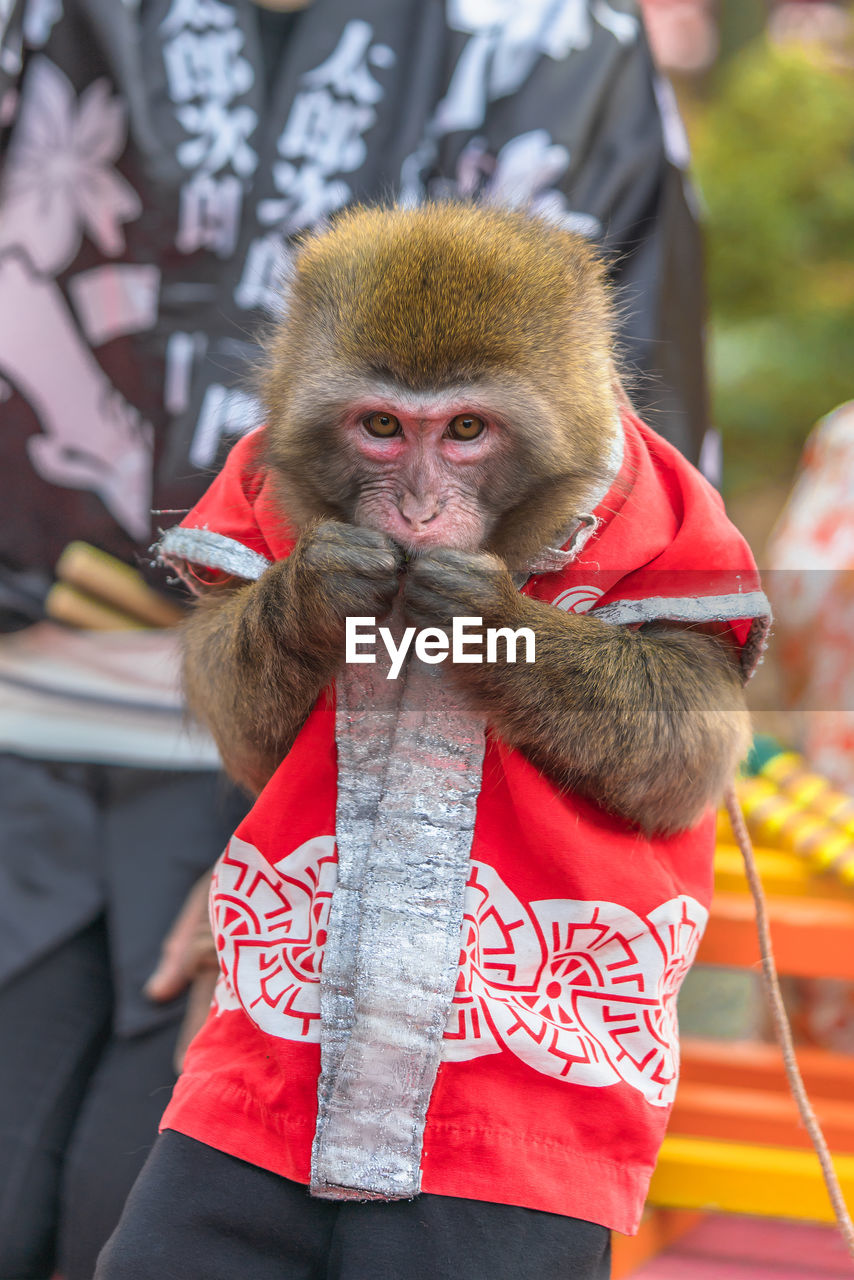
x=420 y=486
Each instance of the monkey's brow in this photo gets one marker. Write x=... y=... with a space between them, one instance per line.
x=397 y=380
x=383 y=371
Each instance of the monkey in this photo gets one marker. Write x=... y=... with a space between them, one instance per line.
x=455 y=920
x=441 y=400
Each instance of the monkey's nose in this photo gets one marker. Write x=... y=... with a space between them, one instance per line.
x=418 y=511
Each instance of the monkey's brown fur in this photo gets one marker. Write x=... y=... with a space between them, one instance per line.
x=647 y=723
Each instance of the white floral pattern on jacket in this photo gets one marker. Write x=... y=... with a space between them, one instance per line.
x=581 y=991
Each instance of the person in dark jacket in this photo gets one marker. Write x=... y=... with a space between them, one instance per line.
x=156 y=158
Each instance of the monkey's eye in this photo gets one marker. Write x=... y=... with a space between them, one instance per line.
x=382 y=424
x=465 y=427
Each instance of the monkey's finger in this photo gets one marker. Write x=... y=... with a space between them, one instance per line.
x=343 y=588
x=333 y=533
x=357 y=599
x=452 y=559
x=363 y=562
x=373 y=601
x=363 y=536
x=326 y=531
x=459 y=581
x=434 y=604
x=435 y=607
x=456 y=584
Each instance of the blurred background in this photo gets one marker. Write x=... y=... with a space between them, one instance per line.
x=766 y=93
x=757 y=100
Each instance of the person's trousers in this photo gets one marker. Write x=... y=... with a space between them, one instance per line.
x=198 y=1214
x=95 y=863
x=78 y=1110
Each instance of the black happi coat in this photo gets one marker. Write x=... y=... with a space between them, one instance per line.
x=158 y=154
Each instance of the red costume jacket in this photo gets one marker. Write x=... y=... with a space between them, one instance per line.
x=560 y=1054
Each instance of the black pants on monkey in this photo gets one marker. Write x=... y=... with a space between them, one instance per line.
x=198 y=1214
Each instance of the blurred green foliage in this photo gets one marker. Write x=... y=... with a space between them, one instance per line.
x=774 y=158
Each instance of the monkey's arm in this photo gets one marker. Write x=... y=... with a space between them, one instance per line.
x=256 y=658
x=243 y=678
x=647 y=723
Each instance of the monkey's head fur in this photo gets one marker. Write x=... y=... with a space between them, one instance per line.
x=444 y=374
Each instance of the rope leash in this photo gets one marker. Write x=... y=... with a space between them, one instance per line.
x=782 y=1027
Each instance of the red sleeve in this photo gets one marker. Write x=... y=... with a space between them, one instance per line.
x=663 y=550
x=235 y=529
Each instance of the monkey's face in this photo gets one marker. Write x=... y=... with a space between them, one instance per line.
x=442 y=375
x=422 y=463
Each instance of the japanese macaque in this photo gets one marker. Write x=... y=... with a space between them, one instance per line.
x=441 y=403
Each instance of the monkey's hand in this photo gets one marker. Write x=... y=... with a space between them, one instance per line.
x=257 y=655
x=648 y=723
x=444 y=584
x=338 y=571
